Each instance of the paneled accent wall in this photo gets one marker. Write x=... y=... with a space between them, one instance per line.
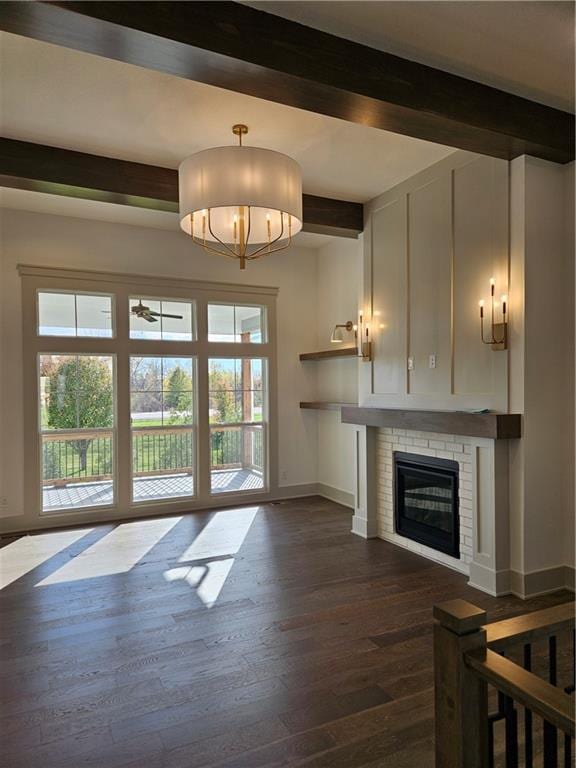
x=431 y=246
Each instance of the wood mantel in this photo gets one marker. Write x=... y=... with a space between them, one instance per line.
x=497 y=426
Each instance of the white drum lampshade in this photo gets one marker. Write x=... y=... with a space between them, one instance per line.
x=241 y=202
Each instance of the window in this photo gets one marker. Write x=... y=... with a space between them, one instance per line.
x=74 y=314
x=149 y=392
x=238 y=416
x=162 y=392
x=77 y=419
x=236 y=323
x=161 y=320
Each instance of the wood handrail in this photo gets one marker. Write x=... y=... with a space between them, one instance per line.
x=537 y=695
x=63 y=435
x=529 y=627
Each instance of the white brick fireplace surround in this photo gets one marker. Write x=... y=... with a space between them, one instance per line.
x=483 y=498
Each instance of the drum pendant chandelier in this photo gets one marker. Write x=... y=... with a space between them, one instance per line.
x=240 y=202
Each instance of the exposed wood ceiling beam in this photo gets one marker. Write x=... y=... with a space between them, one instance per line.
x=249 y=51
x=24 y=165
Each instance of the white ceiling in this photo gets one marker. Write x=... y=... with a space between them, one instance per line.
x=521 y=46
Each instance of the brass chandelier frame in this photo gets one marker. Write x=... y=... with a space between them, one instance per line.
x=240 y=249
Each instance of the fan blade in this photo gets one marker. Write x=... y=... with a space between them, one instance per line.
x=162 y=314
x=148 y=318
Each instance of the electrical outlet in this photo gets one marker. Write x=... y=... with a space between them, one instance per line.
x=284 y=475
x=410 y=363
x=432 y=361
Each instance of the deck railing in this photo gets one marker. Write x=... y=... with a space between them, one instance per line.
x=235 y=446
x=77 y=456
x=536 y=713
x=87 y=455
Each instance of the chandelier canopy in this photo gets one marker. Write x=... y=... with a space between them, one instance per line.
x=240 y=202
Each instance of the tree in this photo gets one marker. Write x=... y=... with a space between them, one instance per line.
x=80 y=395
x=178 y=396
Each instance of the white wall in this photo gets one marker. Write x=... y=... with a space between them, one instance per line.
x=339 y=271
x=542 y=366
x=54 y=241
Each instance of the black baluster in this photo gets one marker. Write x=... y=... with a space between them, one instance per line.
x=552 y=666
x=511 y=718
x=568 y=751
x=550 y=732
x=570 y=689
x=528 y=735
x=550 y=746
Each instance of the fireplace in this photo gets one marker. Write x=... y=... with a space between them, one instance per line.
x=426 y=501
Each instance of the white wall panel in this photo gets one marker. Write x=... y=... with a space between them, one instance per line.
x=480 y=252
x=429 y=295
x=389 y=297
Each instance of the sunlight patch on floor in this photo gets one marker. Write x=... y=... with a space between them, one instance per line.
x=207 y=579
x=23 y=555
x=221 y=538
x=117 y=552
x=223 y=535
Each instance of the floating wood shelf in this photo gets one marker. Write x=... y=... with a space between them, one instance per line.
x=346 y=352
x=497 y=426
x=323 y=406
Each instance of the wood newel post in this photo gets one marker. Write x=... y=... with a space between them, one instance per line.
x=461 y=697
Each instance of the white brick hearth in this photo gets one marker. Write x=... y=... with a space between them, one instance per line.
x=454 y=447
x=483 y=498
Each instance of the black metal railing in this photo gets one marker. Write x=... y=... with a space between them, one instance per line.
x=84 y=456
x=162 y=450
x=237 y=445
x=74 y=456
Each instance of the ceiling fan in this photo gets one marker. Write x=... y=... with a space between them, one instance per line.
x=145 y=313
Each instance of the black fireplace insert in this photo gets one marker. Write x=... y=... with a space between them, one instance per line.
x=426 y=501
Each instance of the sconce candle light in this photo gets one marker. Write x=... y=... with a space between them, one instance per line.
x=364 y=341
x=498 y=336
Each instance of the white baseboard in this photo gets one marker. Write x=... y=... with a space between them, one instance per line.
x=535 y=583
x=495 y=583
x=335 y=494
x=361 y=527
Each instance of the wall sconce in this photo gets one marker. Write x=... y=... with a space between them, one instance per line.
x=363 y=340
x=498 y=337
x=338 y=334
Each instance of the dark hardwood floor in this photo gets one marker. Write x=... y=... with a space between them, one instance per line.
x=278 y=638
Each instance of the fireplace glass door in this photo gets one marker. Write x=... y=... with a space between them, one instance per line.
x=426 y=501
